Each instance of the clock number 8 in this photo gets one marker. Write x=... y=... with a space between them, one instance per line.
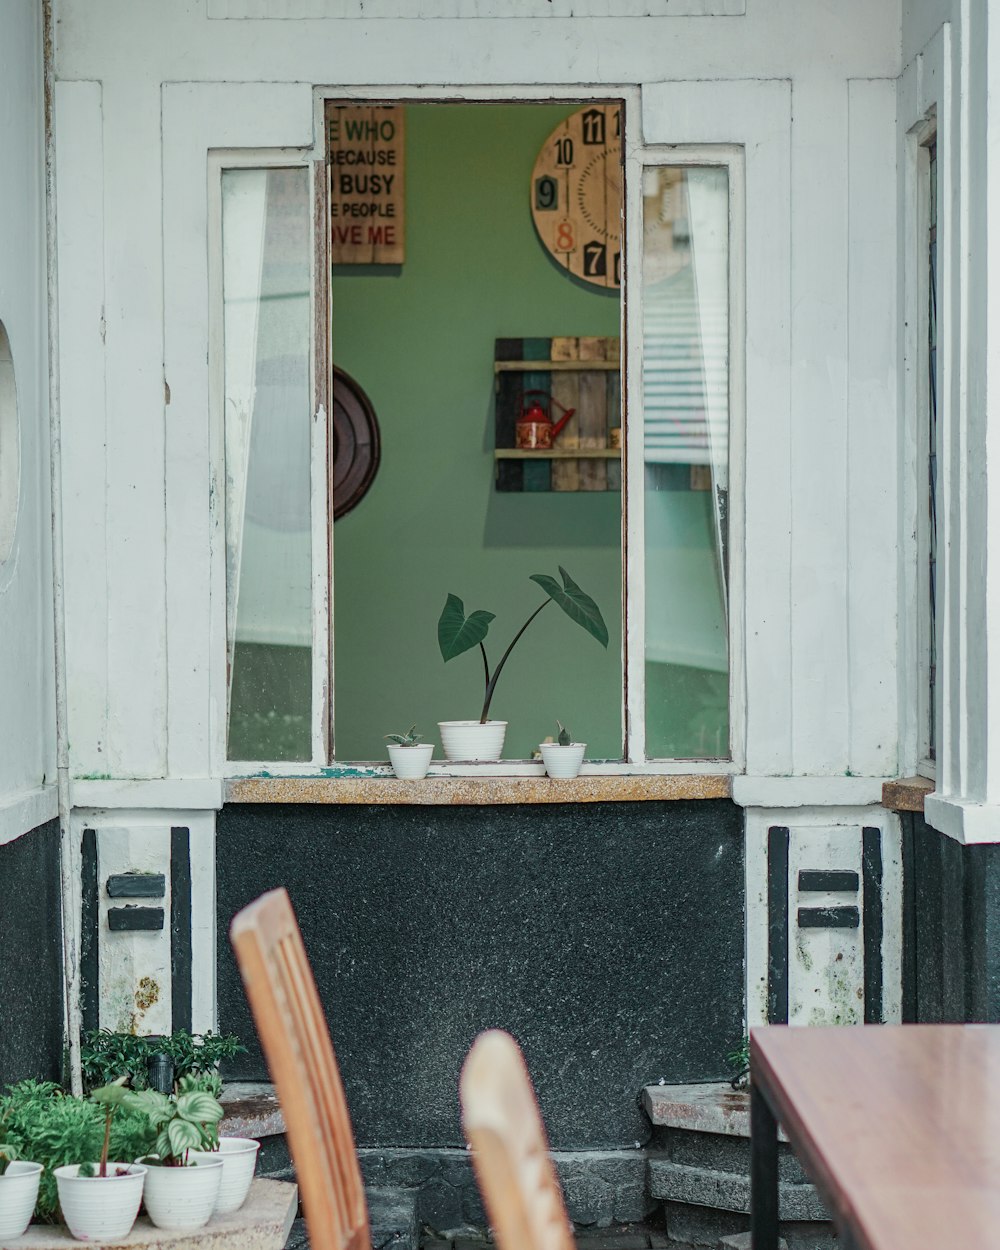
x=565 y=240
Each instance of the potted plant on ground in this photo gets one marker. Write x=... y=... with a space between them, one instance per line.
x=562 y=758
x=410 y=757
x=100 y=1200
x=18 y=1189
x=238 y=1155
x=483 y=739
x=183 y=1177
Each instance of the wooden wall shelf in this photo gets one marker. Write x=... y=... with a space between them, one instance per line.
x=556 y=453
x=579 y=373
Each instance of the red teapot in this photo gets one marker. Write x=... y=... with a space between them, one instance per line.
x=535 y=430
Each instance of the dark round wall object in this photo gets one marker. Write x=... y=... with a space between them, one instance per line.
x=356 y=447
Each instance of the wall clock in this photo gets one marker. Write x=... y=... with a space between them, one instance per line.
x=356 y=443
x=576 y=194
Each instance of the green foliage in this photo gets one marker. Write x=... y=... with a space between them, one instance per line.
x=409 y=739
x=106 y=1056
x=53 y=1128
x=564 y=738
x=187 y=1120
x=739 y=1060
x=458 y=633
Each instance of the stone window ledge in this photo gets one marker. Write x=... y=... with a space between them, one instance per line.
x=485 y=791
x=906 y=794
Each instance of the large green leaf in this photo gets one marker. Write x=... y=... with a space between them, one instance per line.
x=458 y=632
x=575 y=603
x=200 y=1106
x=183 y=1136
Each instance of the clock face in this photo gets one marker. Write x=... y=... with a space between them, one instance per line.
x=576 y=194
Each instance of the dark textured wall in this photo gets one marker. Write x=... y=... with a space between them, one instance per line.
x=951 y=927
x=31 y=1008
x=608 y=938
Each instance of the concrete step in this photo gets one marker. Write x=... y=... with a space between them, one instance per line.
x=727 y=1191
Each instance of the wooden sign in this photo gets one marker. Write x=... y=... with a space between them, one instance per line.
x=366 y=154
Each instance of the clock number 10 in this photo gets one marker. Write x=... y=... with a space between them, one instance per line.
x=564 y=151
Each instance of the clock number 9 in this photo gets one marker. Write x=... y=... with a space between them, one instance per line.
x=564 y=151
x=546 y=193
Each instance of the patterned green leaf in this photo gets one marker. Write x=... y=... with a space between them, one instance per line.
x=183 y=1136
x=457 y=632
x=199 y=1106
x=575 y=603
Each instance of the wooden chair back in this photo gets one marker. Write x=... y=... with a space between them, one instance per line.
x=296 y=1042
x=510 y=1155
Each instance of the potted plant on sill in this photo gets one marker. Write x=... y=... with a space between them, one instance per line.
x=562 y=758
x=18 y=1189
x=410 y=758
x=184 y=1174
x=238 y=1155
x=483 y=739
x=100 y=1200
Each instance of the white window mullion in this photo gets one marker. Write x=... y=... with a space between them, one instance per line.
x=634 y=632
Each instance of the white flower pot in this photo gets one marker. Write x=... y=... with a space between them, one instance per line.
x=18 y=1195
x=239 y=1160
x=562 y=762
x=183 y=1198
x=468 y=740
x=100 y=1208
x=411 y=763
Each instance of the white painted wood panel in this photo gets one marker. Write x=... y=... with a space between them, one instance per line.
x=242 y=117
x=27 y=699
x=429 y=9
x=818 y=587
x=756 y=115
x=872 y=428
x=134 y=432
x=82 y=364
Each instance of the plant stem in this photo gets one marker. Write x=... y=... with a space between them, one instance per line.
x=107 y=1143
x=486 y=667
x=492 y=684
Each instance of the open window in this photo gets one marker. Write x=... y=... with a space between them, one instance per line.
x=514 y=283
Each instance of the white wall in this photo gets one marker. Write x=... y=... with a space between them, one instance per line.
x=27 y=717
x=950 y=76
x=821 y=507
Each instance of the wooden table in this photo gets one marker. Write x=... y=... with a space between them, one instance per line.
x=897 y=1126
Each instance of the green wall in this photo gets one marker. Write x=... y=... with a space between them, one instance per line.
x=419 y=339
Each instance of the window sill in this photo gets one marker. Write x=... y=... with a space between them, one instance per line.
x=906 y=794
x=485 y=791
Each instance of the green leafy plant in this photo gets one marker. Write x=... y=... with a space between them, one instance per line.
x=8 y=1153
x=564 y=739
x=187 y=1120
x=48 y=1126
x=409 y=739
x=458 y=633
x=105 y=1056
x=739 y=1060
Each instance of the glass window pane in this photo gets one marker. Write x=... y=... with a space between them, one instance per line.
x=685 y=380
x=266 y=292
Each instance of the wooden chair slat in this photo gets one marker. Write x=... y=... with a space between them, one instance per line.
x=293 y=1033
x=510 y=1154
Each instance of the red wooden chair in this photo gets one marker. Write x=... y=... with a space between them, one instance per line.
x=296 y=1042
x=510 y=1155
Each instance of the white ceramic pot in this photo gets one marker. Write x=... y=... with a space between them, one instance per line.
x=183 y=1198
x=100 y=1208
x=411 y=763
x=468 y=740
x=562 y=762
x=239 y=1161
x=18 y=1194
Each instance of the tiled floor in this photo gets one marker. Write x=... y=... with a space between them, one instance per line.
x=623 y=1237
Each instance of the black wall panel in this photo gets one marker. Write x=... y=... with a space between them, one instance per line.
x=608 y=938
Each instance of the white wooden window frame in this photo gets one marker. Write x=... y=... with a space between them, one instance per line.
x=716 y=150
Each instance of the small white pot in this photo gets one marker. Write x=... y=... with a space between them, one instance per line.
x=18 y=1195
x=562 y=762
x=411 y=763
x=239 y=1161
x=468 y=740
x=100 y=1208
x=183 y=1198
